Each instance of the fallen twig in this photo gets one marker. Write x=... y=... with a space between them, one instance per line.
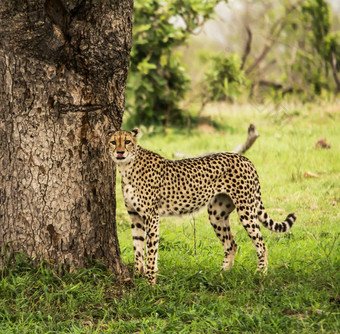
x=252 y=136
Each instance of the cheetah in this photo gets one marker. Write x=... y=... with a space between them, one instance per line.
x=154 y=187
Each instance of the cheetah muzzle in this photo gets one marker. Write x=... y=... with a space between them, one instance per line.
x=154 y=187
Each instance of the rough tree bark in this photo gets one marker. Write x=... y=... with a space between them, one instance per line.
x=63 y=69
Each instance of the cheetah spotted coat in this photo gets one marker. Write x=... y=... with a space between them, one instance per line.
x=154 y=186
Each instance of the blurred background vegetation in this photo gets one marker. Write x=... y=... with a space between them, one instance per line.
x=187 y=53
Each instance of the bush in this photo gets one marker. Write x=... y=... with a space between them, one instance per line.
x=224 y=79
x=158 y=80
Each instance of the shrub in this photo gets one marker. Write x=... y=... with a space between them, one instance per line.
x=224 y=79
x=158 y=80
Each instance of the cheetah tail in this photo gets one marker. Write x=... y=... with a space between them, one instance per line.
x=275 y=226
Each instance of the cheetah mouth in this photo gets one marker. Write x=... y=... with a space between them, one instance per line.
x=120 y=156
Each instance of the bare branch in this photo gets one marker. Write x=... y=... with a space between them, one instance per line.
x=273 y=35
x=248 y=47
x=273 y=84
x=252 y=136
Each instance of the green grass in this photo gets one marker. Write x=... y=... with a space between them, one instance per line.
x=300 y=293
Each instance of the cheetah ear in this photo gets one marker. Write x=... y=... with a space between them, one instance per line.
x=135 y=132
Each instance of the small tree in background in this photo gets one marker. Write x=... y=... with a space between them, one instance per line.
x=224 y=79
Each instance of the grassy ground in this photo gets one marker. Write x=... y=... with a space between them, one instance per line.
x=300 y=293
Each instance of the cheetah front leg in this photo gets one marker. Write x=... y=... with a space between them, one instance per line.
x=138 y=236
x=152 y=235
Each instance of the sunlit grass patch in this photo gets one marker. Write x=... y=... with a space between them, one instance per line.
x=302 y=279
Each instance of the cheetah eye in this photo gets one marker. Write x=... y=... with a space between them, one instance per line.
x=113 y=142
x=127 y=142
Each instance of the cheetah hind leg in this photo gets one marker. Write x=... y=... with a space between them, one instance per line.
x=219 y=210
x=248 y=219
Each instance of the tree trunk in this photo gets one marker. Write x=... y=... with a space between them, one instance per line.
x=63 y=69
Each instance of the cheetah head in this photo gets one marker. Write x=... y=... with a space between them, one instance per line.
x=122 y=145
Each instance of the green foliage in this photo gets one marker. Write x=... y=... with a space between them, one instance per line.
x=299 y=58
x=306 y=48
x=224 y=78
x=332 y=44
x=311 y=74
x=158 y=80
x=316 y=15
